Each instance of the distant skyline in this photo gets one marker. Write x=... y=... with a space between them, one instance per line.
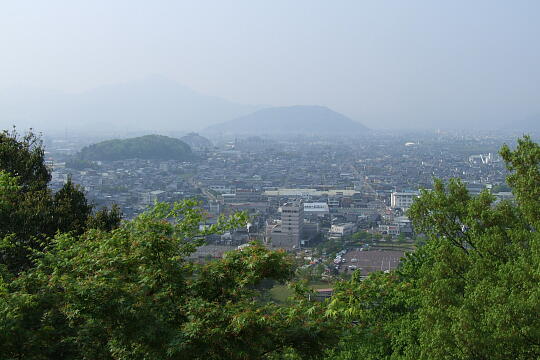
x=410 y=64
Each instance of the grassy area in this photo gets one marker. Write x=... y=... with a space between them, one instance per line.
x=395 y=246
x=280 y=293
x=319 y=285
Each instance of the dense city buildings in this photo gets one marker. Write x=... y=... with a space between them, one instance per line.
x=298 y=191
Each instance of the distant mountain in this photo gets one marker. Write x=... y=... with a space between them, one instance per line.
x=306 y=120
x=197 y=142
x=152 y=104
x=145 y=147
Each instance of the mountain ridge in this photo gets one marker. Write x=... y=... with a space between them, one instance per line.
x=153 y=103
x=297 y=119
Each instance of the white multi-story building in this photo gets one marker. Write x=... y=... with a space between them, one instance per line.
x=288 y=232
x=292 y=220
x=403 y=200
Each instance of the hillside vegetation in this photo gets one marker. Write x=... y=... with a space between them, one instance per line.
x=92 y=287
x=145 y=147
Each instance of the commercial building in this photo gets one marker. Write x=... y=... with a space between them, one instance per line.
x=393 y=229
x=288 y=232
x=149 y=198
x=292 y=220
x=316 y=208
x=308 y=193
x=403 y=200
x=221 y=189
x=340 y=230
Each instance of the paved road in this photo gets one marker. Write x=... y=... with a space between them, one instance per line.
x=193 y=182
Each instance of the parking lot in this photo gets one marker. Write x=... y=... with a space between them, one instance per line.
x=370 y=261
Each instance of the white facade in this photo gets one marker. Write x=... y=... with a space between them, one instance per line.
x=403 y=200
x=316 y=208
x=287 y=232
x=306 y=193
x=341 y=230
x=292 y=220
x=222 y=189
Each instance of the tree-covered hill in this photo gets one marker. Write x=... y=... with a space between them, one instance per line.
x=196 y=141
x=144 y=147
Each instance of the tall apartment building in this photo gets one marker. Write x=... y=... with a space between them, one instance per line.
x=292 y=220
x=287 y=233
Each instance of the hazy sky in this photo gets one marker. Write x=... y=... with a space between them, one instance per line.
x=384 y=63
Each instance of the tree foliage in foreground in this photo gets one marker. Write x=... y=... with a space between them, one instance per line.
x=30 y=213
x=24 y=158
x=472 y=292
x=133 y=294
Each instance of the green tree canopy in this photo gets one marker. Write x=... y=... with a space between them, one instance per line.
x=472 y=292
x=143 y=147
x=133 y=294
x=23 y=157
x=71 y=209
x=105 y=219
x=30 y=214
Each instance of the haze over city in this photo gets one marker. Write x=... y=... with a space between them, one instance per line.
x=80 y=66
x=272 y=179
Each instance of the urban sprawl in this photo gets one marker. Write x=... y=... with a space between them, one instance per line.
x=299 y=192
